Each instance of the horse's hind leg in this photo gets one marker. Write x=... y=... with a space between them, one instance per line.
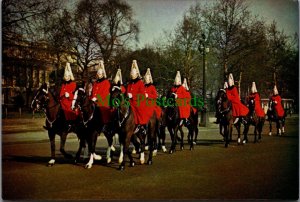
x=81 y=145
x=63 y=138
x=52 y=145
x=126 y=151
x=278 y=127
x=191 y=132
x=173 y=139
x=163 y=138
x=283 y=125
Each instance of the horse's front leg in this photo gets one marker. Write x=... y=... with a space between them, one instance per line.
x=173 y=139
x=278 y=128
x=92 y=147
x=191 y=132
x=182 y=137
x=51 y=136
x=125 y=146
x=142 y=139
x=63 y=139
x=245 y=132
x=109 y=138
x=238 y=128
x=81 y=145
x=163 y=138
x=270 y=126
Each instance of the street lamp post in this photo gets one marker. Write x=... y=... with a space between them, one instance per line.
x=203 y=49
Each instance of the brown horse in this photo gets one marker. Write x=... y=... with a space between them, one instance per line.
x=256 y=121
x=174 y=124
x=224 y=113
x=126 y=128
x=273 y=117
x=55 y=120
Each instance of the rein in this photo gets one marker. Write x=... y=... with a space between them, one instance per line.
x=125 y=116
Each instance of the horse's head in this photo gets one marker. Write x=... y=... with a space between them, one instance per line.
x=116 y=96
x=79 y=98
x=222 y=102
x=41 y=98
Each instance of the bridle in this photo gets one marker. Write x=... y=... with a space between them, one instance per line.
x=79 y=104
x=42 y=99
x=117 y=105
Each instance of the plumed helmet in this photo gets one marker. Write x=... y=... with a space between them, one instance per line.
x=225 y=85
x=253 y=88
x=101 y=70
x=118 y=77
x=177 y=80
x=185 y=85
x=275 y=91
x=135 y=72
x=68 y=73
x=230 y=80
x=148 y=77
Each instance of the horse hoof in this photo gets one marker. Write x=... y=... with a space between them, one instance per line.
x=244 y=141
x=191 y=148
x=154 y=152
x=181 y=148
x=108 y=160
x=194 y=143
x=270 y=133
x=132 y=164
x=121 y=167
x=171 y=151
x=150 y=162
x=88 y=166
x=50 y=164
x=164 y=149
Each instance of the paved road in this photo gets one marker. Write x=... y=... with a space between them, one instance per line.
x=267 y=170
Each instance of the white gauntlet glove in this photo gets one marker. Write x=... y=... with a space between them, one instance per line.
x=146 y=94
x=129 y=95
x=175 y=95
x=94 y=99
x=67 y=94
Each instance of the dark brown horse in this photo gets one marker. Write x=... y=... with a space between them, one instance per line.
x=174 y=124
x=91 y=123
x=56 y=123
x=126 y=128
x=224 y=113
x=256 y=121
x=273 y=117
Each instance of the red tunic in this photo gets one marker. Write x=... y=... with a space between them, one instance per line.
x=101 y=90
x=278 y=107
x=238 y=109
x=66 y=102
x=142 y=113
x=151 y=100
x=258 y=109
x=183 y=100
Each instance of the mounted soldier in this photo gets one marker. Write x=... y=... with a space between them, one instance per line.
x=137 y=99
x=66 y=96
x=151 y=93
x=100 y=95
x=254 y=95
x=276 y=99
x=182 y=97
x=238 y=109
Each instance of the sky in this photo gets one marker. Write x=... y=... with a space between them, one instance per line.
x=155 y=16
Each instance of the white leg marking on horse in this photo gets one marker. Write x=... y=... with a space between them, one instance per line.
x=270 y=133
x=146 y=148
x=164 y=148
x=113 y=148
x=121 y=154
x=108 y=159
x=142 y=158
x=97 y=157
x=154 y=152
x=52 y=161
x=133 y=151
x=91 y=161
x=283 y=129
x=239 y=140
x=279 y=131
